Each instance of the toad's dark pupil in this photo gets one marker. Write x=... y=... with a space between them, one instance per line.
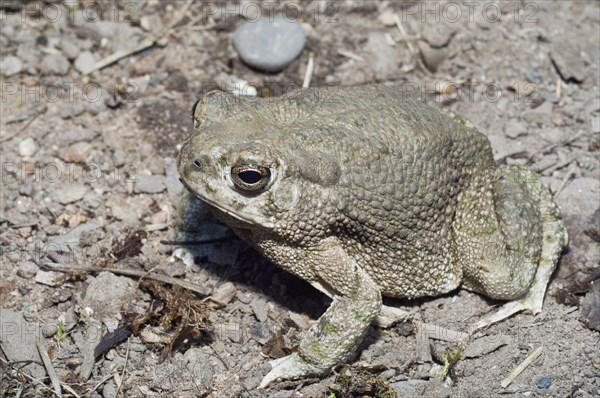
x=250 y=176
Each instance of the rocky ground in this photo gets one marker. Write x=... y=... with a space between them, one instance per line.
x=89 y=181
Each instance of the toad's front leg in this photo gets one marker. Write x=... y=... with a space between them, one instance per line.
x=356 y=302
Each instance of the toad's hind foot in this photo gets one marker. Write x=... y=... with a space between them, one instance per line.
x=555 y=238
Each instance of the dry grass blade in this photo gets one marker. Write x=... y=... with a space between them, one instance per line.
x=49 y=369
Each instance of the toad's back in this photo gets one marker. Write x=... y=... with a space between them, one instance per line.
x=402 y=166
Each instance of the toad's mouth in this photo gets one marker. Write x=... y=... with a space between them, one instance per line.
x=239 y=220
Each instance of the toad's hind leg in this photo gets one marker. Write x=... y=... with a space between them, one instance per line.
x=508 y=237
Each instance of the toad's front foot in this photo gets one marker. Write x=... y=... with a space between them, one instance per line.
x=290 y=367
x=330 y=340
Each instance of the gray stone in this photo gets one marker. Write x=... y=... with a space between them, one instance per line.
x=437 y=34
x=382 y=58
x=48 y=278
x=55 y=64
x=568 y=62
x=124 y=213
x=269 y=44
x=515 y=128
x=149 y=183
x=17 y=340
x=27 y=147
x=202 y=366
x=434 y=388
x=554 y=135
x=80 y=152
x=260 y=309
x=579 y=198
x=72 y=237
x=224 y=293
x=590 y=308
x=10 y=65
x=109 y=390
x=70 y=48
x=71 y=109
x=68 y=137
x=27 y=269
x=485 y=345
x=136 y=347
x=85 y=62
x=541 y=115
x=106 y=294
x=49 y=330
x=433 y=57
x=70 y=192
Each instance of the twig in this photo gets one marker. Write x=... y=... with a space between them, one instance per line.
x=129 y=272
x=550 y=147
x=351 y=55
x=565 y=180
x=49 y=369
x=69 y=389
x=19 y=131
x=144 y=44
x=118 y=55
x=517 y=371
x=123 y=372
x=34 y=380
x=411 y=47
x=309 y=71
x=102 y=381
x=556 y=166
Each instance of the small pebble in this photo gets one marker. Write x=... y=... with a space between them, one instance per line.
x=55 y=64
x=544 y=383
x=27 y=269
x=269 y=44
x=260 y=309
x=49 y=329
x=534 y=76
x=71 y=192
x=27 y=147
x=85 y=62
x=10 y=65
x=48 y=278
x=69 y=47
x=224 y=293
x=80 y=152
x=149 y=183
x=433 y=57
x=387 y=17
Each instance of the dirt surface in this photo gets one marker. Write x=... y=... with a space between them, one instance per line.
x=89 y=180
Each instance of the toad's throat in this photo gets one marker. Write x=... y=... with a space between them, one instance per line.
x=233 y=218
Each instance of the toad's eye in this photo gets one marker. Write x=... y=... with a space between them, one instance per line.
x=250 y=178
